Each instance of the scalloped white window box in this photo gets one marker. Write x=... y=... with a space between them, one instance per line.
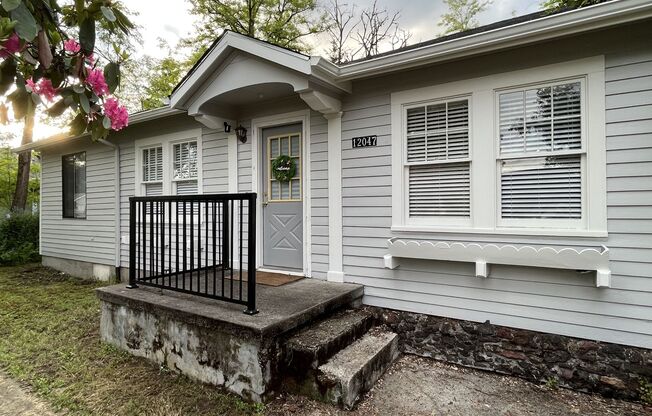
x=588 y=258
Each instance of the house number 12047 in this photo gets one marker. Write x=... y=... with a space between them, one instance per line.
x=364 y=141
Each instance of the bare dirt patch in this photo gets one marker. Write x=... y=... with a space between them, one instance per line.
x=416 y=386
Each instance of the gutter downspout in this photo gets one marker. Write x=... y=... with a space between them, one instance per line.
x=118 y=194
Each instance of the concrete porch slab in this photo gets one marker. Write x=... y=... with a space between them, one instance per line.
x=281 y=308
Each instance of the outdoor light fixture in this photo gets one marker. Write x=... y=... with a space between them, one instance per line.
x=227 y=127
x=241 y=134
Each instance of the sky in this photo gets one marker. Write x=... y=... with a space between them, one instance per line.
x=171 y=21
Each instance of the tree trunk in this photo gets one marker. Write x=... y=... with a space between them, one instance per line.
x=24 y=161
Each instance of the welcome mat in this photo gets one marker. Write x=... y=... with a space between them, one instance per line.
x=268 y=278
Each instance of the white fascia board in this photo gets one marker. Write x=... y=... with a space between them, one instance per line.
x=234 y=41
x=572 y=22
x=135 y=118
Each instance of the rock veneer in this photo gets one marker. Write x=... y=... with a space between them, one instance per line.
x=612 y=370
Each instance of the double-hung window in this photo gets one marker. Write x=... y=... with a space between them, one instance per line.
x=437 y=160
x=74 y=185
x=152 y=167
x=169 y=164
x=185 y=171
x=541 y=154
x=519 y=153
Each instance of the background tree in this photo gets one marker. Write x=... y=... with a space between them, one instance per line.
x=164 y=76
x=284 y=23
x=341 y=19
x=462 y=14
x=568 y=4
x=44 y=65
x=378 y=26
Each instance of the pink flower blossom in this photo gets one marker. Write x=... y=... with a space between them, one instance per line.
x=71 y=46
x=95 y=79
x=43 y=88
x=10 y=46
x=117 y=113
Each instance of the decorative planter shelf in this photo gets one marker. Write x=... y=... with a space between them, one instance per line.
x=589 y=258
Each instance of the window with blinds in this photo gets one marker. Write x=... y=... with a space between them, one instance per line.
x=185 y=167
x=153 y=164
x=541 y=152
x=437 y=159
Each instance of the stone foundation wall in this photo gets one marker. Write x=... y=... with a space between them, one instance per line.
x=609 y=369
x=240 y=363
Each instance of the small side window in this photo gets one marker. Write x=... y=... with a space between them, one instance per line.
x=74 y=185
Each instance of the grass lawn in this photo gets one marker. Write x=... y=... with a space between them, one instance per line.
x=49 y=340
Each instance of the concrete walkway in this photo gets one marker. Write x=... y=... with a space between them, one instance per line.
x=422 y=387
x=16 y=401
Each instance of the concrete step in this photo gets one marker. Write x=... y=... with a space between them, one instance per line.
x=313 y=346
x=354 y=370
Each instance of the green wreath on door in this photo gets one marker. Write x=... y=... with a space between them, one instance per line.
x=284 y=168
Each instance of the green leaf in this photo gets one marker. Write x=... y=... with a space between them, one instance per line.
x=78 y=125
x=7 y=74
x=57 y=108
x=78 y=88
x=87 y=35
x=36 y=99
x=9 y=5
x=106 y=122
x=85 y=104
x=26 y=26
x=19 y=100
x=108 y=13
x=112 y=75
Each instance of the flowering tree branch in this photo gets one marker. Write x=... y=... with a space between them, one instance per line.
x=47 y=58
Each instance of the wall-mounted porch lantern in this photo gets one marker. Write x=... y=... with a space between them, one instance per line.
x=241 y=134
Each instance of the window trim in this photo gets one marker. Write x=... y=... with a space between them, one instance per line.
x=484 y=174
x=167 y=142
x=561 y=224
x=446 y=220
x=63 y=188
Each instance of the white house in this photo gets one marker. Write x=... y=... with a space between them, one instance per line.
x=502 y=174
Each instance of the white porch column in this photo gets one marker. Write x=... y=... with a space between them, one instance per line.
x=232 y=159
x=335 y=261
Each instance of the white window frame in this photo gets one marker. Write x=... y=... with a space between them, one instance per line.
x=484 y=151
x=560 y=224
x=167 y=142
x=449 y=221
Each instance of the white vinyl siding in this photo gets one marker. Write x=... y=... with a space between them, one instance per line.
x=92 y=239
x=549 y=300
x=540 y=162
x=437 y=152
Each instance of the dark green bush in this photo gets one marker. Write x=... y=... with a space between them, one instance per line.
x=19 y=239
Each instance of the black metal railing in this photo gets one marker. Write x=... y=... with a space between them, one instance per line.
x=204 y=245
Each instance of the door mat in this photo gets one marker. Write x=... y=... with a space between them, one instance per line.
x=269 y=279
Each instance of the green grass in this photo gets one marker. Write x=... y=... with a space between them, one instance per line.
x=49 y=340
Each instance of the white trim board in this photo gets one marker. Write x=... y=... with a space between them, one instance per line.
x=257 y=125
x=482 y=144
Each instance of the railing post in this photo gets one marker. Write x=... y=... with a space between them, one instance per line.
x=132 y=244
x=251 y=255
x=226 y=235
